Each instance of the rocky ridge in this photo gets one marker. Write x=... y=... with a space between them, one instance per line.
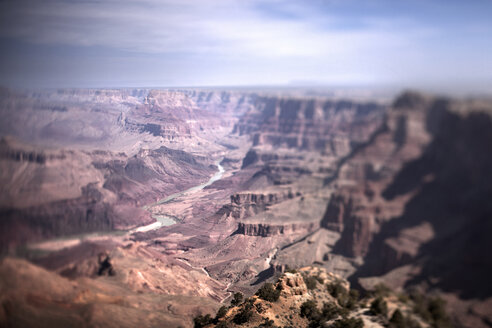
x=313 y=297
x=412 y=202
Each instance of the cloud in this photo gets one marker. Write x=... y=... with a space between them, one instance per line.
x=272 y=41
x=177 y=26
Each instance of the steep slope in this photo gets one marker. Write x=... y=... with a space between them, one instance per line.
x=414 y=205
x=76 y=161
x=328 y=126
x=49 y=193
x=34 y=297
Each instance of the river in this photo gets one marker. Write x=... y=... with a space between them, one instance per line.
x=161 y=220
x=166 y=220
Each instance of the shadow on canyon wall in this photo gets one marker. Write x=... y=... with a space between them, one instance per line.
x=452 y=182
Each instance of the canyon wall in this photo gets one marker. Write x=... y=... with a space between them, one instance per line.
x=329 y=126
x=417 y=197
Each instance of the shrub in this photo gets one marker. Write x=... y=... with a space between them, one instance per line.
x=237 y=298
x=335 y=289
x=381 y=290
x=348 y=323
x=222 y=324
x=329 y=311
x=289 y=270
x=259 y=308
x=354 y=294
x=309 y=309
x=437 y=310
x=221 y=312
x=310 y=282
x=420 y=306
x=350 y=301
x=431 y=310
x=379 y=307
x=202 y=321
x=268 y=293
x=244 y=314
x=347 y=300
x=267 y=323
x=397 y=320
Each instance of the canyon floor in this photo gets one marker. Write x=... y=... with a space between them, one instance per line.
x=148 y=208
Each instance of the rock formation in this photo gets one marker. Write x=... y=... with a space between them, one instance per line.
x=369 y=190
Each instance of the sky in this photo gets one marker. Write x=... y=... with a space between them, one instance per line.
x=174 y=43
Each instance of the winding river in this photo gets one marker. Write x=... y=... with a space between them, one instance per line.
x=166 y=220
x=161 y=220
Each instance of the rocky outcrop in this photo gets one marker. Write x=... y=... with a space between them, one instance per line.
x=267 y=230
x=314 y=297
x=357 y=209
x=34 y=297
x=86 y=213
x=248 y=204
x=120 y=150
x=309 y=124
x=22 y=155
x=416 y=197
x=223 y=102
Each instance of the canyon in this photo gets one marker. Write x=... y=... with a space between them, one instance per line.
x=156 y=206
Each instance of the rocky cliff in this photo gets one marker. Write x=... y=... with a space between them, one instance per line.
x=268 y=230
x=56 y=192
x=34 y=297
x=76 y=161
x=328 y=126
x=415 y=199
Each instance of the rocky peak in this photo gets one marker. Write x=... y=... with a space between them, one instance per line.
x=314 y=297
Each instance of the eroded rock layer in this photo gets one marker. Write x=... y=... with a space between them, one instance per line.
x=376 y=192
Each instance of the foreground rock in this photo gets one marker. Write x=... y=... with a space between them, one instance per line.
x=34 y=297
x=313 y=297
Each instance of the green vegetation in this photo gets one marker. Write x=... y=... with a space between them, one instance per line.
x=330 y=311
x=432 y=310
x=237 y=298
x=221 y=312
x=268 y=293
x=202 y=321
x=398 y=320
x=379 y=307
x=335 y=289
x=437 y=309
x=381 y=290
x=348 y=323
x=222 y=324
x=267 y=323
x=309 y=309
x=346 y=300
x=244 y=314
x=310 y=282
x=289 y=270
x=337 y=313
